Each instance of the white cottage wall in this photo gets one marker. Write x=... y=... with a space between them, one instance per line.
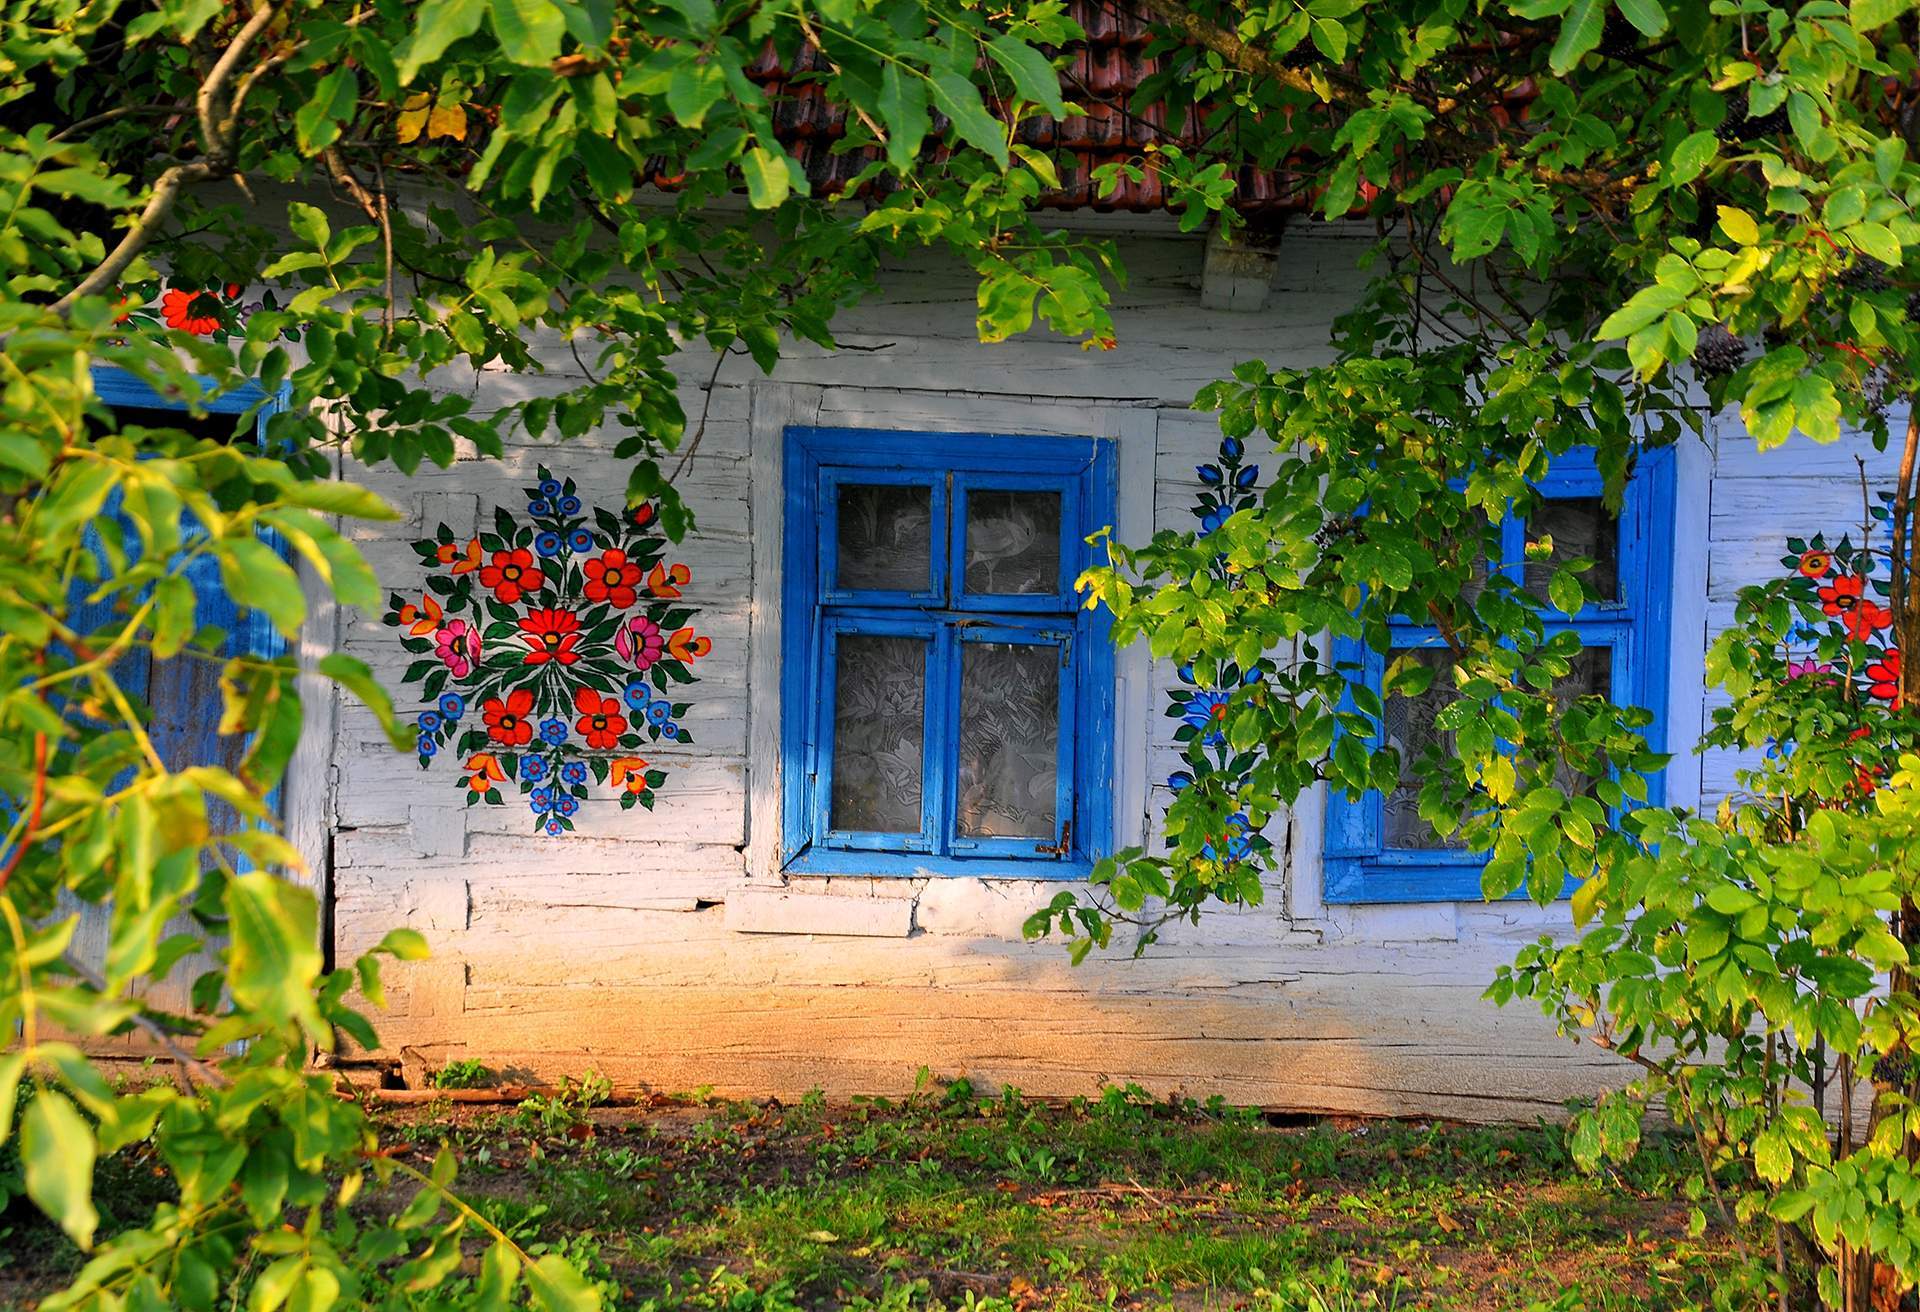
x=666 y=948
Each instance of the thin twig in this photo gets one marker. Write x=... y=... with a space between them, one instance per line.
x=34 y=810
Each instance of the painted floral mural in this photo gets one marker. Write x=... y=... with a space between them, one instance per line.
x=548 y=652
x=1227 y=485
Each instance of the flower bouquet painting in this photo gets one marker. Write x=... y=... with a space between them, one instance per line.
x=549 y=651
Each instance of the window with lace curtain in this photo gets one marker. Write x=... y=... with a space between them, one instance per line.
x=947 y=704
x=1379 y=849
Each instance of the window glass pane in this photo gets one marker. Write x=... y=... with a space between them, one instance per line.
x=1013 y=542
x=879 y=728
x=886 y=537
x=1410 y=728
x=1591 y=676
x=1580 y=528
x=1009 y=739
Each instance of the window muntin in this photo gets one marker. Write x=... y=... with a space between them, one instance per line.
x=979 y=629
x=1378 y=849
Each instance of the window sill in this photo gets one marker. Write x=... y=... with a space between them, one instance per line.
x=1351 y=882
x=904 y=865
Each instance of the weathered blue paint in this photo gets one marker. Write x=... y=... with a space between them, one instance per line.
x=1635 y=627
x=816 y=614
x=183 y=694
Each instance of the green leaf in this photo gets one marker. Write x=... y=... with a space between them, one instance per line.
x=1579 y=32
x=257 y=578
x=1690 y=158
x=1738 y=225
x=1866 y=15
x=57 y=1149
x=273 y=957
x=903 y=110
x=696 y=87
x=959 y=100
x=766 y=174
x=1033 y=77
x=1646 y=15
x=558 y=1286
x=529 y=30
x=352 y=673
x=440 y=24
x=317 y=124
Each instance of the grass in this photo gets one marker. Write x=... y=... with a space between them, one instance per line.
x=1000 y=1205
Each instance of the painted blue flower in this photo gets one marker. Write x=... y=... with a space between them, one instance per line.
x=573 y=772
x=1186 y=673
x=426 y=746
x=1179 y=781
x=1205 y=710
x=553 y=731
x=429 y=721
x=541 y=800
x=550 y=487
x=638 y=695
x=1251 y=677
x=1231 y=448
x=533 y=768
x=539 y=507
x=566 y=805
x=547 y=544
x=1209 y=474
x=555 y=828
x=657 y=712
x=580 y=540
x=1247 y=477
x=1212 y=520
x=670 y=729
x=1238 y=839
x=569 y=505
x=452 y=707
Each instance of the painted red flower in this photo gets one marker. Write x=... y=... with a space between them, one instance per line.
x=552 y=635
x=196 y=312
x=507 y=721
x=600 y=722
x=1884 y=675
x=512 y=575
x=611 y=577
x=1844 y=598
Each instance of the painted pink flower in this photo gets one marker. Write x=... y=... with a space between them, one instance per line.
x=458 y=646
x=1807 y=669
x=639 y=642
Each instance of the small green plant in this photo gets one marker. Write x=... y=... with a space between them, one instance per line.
x=465 y=1073
x=566 y=1107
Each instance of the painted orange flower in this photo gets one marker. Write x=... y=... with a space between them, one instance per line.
x=423 y=619
x=198 y=313
x=684 y=645
x=628 y=772
x=485 y=772
x=507 y=721
x=667 y=582
x=1815 y=564
x=512 y=575
x=463 y=559
x=552 y=635
x=600 y=722
x=612 y=578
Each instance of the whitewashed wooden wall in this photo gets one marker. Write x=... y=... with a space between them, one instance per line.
x=664 y=948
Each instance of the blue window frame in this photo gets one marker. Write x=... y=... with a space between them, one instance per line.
x=946 y=702
x=1377 y=849
x=183 y=694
